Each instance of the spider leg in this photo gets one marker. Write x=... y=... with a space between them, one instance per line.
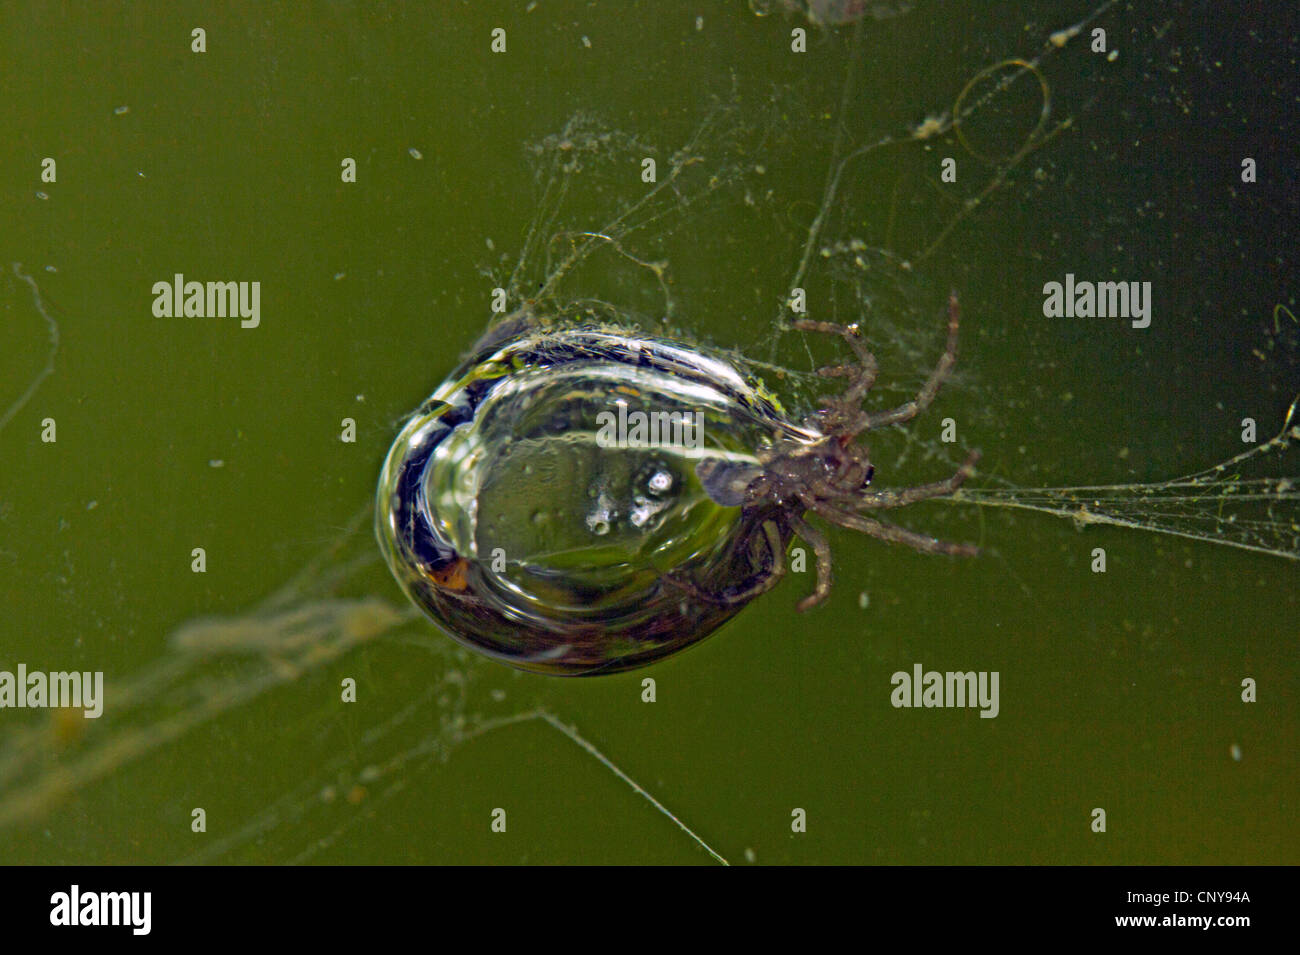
x=822 y=549
x=893 y=533
x=910 y=409
x=891 y=497
x=733 y=595
x=862 y=376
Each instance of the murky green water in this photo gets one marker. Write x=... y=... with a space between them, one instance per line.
x=1119 y=690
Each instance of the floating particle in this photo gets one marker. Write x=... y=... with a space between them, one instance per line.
x=415 y=153
x=1062 y=37
x=121 y=110
x=932 y=125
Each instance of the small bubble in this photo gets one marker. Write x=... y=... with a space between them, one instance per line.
x=699 y=23
x=864 y=600
x=751 y=855
x=216 y=463
x=1235 y=752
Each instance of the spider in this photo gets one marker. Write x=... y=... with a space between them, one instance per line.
x=831 y=477
x=569 y=602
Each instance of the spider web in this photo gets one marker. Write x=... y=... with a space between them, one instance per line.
x=1236 y=503
x=629 y=263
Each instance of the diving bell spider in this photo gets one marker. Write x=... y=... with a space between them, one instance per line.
x=831 y=476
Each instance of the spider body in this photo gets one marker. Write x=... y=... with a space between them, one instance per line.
x=831 y=476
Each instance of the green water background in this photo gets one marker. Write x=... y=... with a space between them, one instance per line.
x=1118 y=690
